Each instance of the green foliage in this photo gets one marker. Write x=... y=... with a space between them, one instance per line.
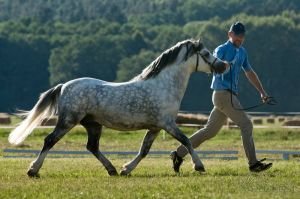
x=132 y=66
x=45 y=43
x=167 y=36
x=112 y=140
x=92 y=57
x=21 y=58
x=140 y=11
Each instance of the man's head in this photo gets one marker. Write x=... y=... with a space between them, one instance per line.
x=236 y=33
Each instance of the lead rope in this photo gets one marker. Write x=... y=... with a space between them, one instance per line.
x=270 y=100
x=197 y=63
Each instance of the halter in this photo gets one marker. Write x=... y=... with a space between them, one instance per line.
x=212 y=68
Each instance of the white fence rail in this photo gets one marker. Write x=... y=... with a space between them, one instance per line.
x=225 y=155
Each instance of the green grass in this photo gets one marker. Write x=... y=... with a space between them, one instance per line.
x=230 y=139
x=154 y=177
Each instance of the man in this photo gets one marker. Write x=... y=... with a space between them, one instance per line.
x=225 y=101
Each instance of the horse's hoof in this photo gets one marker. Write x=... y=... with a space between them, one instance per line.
x=124 y=173
x=200 y=169
x=32 y=174
x=113 y=173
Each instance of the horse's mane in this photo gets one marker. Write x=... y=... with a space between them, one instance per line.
x=165 y=59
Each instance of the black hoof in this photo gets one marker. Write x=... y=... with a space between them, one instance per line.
x=113 y=173
x=32 y=174
x=200 y=169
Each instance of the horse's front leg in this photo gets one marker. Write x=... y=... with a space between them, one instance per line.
x=146 y=145
x=178 y=134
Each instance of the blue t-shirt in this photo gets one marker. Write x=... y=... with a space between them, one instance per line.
x=239 y=60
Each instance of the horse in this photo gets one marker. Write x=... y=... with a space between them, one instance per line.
x=150 y=101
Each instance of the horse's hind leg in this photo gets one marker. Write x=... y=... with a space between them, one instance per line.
x=94 y=130
x=60 y=130
x=147 y=143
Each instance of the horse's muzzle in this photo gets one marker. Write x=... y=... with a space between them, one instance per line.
x=219 y=67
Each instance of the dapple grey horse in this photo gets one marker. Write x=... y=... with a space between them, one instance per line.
x=149 y=101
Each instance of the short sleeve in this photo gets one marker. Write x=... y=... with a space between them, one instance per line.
x=246 y=65
x=219 y=52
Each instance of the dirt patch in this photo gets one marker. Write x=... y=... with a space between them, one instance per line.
x=49 y=121
x=271 y=120
x=257 y=121
x=295 y=122
x=184 y=118
x=4 y=118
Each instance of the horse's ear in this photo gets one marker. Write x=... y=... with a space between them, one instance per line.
x=200 y=44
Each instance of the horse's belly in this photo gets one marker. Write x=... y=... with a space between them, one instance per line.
x=125 y=123
x=125 y=126
x=122 y=127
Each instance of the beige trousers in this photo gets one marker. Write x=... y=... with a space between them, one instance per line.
x=217 y=118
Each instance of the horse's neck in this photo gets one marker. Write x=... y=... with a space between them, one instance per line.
x=174 y=79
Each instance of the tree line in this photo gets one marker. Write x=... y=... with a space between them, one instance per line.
x=114 y=41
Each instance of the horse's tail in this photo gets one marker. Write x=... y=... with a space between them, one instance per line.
x=45 y=107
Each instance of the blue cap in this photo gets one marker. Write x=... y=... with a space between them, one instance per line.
x=238 y=28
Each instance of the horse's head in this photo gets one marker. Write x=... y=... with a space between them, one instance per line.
x=202 y=59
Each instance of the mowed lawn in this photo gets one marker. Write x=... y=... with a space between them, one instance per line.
x=154 y=177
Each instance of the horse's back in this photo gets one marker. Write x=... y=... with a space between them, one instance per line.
x=90 y=95
x=83 y=82
x=76 y=94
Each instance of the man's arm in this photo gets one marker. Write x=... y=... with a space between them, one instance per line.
x=253 y=78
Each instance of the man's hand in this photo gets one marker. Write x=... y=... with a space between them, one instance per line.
x=268 y=99
x=253 y=78
x=264 y=97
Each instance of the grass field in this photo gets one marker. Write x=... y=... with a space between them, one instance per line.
x=154 y=177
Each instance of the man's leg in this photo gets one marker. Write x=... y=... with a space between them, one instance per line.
x=215 y=122
x=241 y=119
